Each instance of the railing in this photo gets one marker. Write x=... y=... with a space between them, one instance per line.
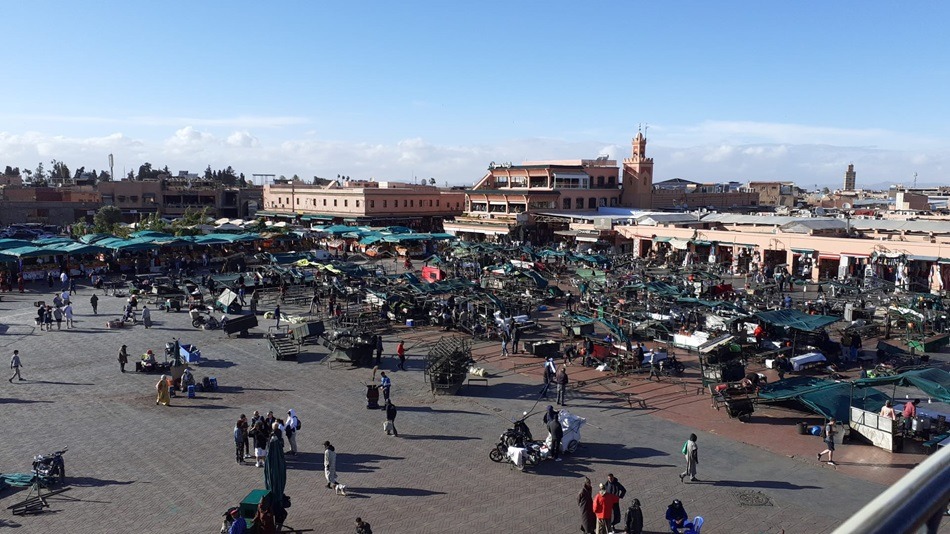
x=915 y=503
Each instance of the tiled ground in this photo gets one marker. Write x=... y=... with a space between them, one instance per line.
x=138 y=467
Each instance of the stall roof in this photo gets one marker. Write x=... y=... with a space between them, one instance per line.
x=934 y=382
x=31 y=252
x=826 y=397
x=796 y=319
x=14 y=243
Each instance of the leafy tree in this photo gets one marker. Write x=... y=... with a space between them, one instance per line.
x=209 y=174
x=431 y=181
x=131 y=176
x=104 y=177
x=15 y=171
x=107 y=219
x=152 y=222
x=39 y=175
x=78 y=174
x=188 y=222
x=60 y=172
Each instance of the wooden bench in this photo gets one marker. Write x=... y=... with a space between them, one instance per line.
x=478 y=380
x=931 y=444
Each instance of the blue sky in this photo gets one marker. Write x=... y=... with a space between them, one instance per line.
x=389 y=90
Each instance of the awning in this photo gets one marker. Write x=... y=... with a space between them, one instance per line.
x=679 y=244
x=662 y=239
x=855 y=255
x=923 y=258
x=796 y=319
x=934 y=382
x=587 y=238
x=825 y=256
x=701 y=242
x=943 y=261
x=316 y=217
x=746 y=245
x=803 y=250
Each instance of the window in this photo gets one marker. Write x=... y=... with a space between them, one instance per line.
x=346 y=203
x=437 y=203
x=613 y=202
x=334 y=202
x=357 y=203
x=603 y=202
x=600 y=181
x=324 y=202
x=385 y=203
x=372 y=203
x=134 y=198
x=298 y=201
x=412 y=203
x=405 y=203
x=287 y=200
x=567 y=203
x=591 y=203
x=121 y=198
x=430 y=203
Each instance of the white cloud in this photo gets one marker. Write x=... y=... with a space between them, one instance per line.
x=194 y=147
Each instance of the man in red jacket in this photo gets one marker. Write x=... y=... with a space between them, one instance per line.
x=603 y=506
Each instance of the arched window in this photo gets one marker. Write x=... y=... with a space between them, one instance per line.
x=567 y=203
x=591 y=203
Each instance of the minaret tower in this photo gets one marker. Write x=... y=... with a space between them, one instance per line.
x=637 y=176
x=849 y=178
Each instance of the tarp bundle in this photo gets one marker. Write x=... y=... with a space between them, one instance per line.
x=826 y=397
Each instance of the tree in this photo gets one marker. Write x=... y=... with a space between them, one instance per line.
x=60 y=172
x=431 y=181
x=152 y=222
x=39 y=175
x=131 y=176
x=104 y=177
x=209 y=174
x=15 y=171
x=825 y=190
x=106 y=219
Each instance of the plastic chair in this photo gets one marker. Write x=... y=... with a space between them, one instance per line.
x=695 y=526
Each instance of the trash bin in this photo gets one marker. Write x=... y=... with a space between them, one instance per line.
x=191 y=391
x=372 y=397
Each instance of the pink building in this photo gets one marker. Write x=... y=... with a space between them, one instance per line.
x=364 y=202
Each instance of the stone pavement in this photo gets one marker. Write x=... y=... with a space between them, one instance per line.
x=138 y=467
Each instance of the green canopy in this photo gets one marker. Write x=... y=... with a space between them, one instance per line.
x=14 y=243
x=934 y=382
x=825 y=397
x=52 y=241
x=796 y=319
x=31 y=252
x=93 y=238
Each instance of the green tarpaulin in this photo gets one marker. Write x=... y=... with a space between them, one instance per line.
x=934 y=382
x=796 y=319
x=825 y=397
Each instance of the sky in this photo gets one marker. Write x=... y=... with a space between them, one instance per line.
x=417 y=89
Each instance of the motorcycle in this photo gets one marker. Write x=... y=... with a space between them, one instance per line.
x=50 y=469
x=516 y=445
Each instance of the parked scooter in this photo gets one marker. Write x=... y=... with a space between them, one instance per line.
x=203 y=320
x=50 y=469
x=517 y=446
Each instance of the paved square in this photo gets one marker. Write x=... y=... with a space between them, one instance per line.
x=138 y=467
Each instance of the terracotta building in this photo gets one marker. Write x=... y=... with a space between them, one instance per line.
x=775 y=194
x=172 y=198
x=361 y=202
x=47 y=205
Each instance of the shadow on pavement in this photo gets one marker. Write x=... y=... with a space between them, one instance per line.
x=59 y=383
x=216 y=364
x=772 y=484
x=401 y=492
x=429 y=409
x=438 y=438
x=96 y=482
x=20 y=401
x=616 y=451
x=507 y=390
x=360 y=463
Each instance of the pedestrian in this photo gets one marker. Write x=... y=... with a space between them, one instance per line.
x=94 y=301
x=550 y=370
x=515 y=338
x=48 y=320
x=123 y=357
x=64 y=278
x=504 y=342
x=391 y=419
x=264 y=520
x=603 y=507
x=245 y=446
x=614 y=487
x=58 y=315
x=19 y=282
x=291 y=426
x=585 y=501
x=569 y=302
x=677 y=516
x=239 y=442
x=386 y=384
x=238 y=523
x=260 y=435
x=277 y=316
x=162 y=388
x=401 y=354
x=146 y=316
x=72 y=286
x=557 y=434
x=828 y=435
x=362 y=527
x=15 y=364
x=561 y=380
x=329 y=469
x=691 y=452
x=634 y=520
x=68 y=313
x=379 y=350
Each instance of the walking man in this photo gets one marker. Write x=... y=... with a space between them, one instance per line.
x=691 y=452
x=245 y=450
x=16 y=365
x=277 y=315
x=561 y=380
x=515 y=338
x=123 y=358
x=94 y=301
x=238 y=442
x=828 y=435
x=391 y=418
x=557 y=434
x=549 y=372
x=504 y=342
x=291 y=426
x=614 y=487
x=68 y=313
x=401 y=353
x=386 y=384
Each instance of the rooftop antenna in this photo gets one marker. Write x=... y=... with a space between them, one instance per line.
x=915 y=180
x=646 y=127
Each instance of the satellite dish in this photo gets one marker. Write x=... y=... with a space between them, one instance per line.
x=846 y=206
x=820 y=212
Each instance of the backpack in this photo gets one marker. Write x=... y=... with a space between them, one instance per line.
x=299 y=424
x=685 y=446
x=205 y=383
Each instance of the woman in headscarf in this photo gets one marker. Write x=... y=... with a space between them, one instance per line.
x=634 y=523
x=290 y=428
x=677 y=516
x=585 y=501
x=691 y=452
x=329 y=468
x=162 y=388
